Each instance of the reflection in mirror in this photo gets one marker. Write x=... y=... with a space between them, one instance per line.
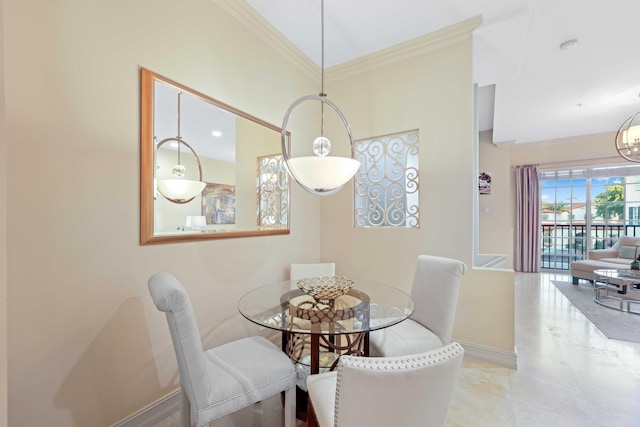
x=175 y=187
x=187 y=137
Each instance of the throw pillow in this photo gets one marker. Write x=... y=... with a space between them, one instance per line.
x=628 y=252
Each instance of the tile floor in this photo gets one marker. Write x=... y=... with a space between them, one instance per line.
x=569 y=374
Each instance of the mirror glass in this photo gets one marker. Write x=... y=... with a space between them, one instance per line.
x=228 y=163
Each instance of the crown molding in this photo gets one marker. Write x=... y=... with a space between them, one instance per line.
x=253 y=21
x=409 y=49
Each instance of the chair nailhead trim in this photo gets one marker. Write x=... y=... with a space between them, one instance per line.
x=394 y=363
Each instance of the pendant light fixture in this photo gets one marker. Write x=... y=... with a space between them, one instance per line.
x=628 y=138
x=178 y=189
x=320 y=174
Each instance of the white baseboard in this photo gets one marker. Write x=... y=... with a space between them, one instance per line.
x=508 y=359
x=156 y=413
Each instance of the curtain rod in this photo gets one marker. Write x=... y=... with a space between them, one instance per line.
x=565 y=162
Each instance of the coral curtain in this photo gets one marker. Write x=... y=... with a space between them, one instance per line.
x=527 y=244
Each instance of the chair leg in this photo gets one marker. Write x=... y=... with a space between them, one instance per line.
x=290 y=407
x=185 y=409
x=311 y=415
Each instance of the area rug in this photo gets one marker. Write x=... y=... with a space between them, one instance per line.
x=614 y=324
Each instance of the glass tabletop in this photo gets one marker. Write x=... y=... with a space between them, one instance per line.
x=366 y=307
x=622 y=274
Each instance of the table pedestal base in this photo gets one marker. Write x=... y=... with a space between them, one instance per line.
x=297 y=346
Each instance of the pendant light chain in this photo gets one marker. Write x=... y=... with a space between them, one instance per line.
x=178 y=138
x=322 y=94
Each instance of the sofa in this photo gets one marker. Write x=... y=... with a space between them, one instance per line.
x=619 y=256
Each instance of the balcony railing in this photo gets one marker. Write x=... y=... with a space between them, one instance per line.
x=565 y=243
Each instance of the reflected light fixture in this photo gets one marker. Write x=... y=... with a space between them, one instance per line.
x=319 y=174
x=628 y=138
x=178 y=189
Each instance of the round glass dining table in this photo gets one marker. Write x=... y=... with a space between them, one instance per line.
x=317 y=332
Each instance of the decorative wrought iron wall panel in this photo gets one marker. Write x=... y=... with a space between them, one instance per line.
x=273 y=191
x=387 y=184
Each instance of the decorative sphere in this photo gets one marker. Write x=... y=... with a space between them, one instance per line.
x=321 y=146
x=178 y=171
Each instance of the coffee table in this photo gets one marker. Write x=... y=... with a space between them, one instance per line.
x=627 y=293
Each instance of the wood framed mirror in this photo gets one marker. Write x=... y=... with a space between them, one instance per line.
x=232 y=159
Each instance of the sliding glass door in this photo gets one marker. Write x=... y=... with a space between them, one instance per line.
x=586 y=209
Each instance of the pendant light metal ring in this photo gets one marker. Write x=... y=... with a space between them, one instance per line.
x=626 y=149
x=285 y=148
x=180 y=141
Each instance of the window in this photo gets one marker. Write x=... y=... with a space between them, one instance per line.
x=386 y=185
x=585 y=209
x=634 y=215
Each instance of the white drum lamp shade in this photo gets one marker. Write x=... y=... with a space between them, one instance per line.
x=180 y=190
x=323 y=174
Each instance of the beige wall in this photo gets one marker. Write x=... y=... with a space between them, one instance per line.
x=3 y=236
x=86 y=345
x=494 y=210
x=433 y=92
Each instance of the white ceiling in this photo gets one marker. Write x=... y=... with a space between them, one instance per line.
x=541 y=91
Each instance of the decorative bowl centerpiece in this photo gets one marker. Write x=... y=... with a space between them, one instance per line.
x=325 y=288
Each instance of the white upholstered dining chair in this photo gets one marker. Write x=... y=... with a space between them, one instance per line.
x=405 y=391
x=435 y=294
x=226 y=378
